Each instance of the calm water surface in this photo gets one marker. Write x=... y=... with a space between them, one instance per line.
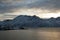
x=31 y=34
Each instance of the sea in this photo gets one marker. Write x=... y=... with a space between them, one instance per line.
x=31 y=34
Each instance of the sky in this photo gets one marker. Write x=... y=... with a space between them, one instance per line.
x=10 y=9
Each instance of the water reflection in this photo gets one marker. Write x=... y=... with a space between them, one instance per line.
x=31 y=34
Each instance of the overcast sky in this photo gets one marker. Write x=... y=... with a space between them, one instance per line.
x=41 y=8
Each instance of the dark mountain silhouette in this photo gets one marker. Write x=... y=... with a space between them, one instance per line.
x=24 y=21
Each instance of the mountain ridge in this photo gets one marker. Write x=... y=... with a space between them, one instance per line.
x=23 y=21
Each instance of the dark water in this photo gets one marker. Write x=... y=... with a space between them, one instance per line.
x=31 y=34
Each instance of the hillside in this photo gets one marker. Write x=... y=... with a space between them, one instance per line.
x=24 y=21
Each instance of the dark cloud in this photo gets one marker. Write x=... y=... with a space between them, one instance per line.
x=46 y=4
x=6 y=6
x=10 y=5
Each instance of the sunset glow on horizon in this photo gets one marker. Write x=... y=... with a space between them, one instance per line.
x=30 y=12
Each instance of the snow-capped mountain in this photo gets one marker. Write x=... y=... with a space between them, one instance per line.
x=23 y=21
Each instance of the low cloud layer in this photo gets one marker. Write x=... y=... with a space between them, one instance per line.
x=11 y=5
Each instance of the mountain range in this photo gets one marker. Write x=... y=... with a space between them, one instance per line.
x=25 y=21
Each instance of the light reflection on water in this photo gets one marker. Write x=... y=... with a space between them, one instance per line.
x=31 y=34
